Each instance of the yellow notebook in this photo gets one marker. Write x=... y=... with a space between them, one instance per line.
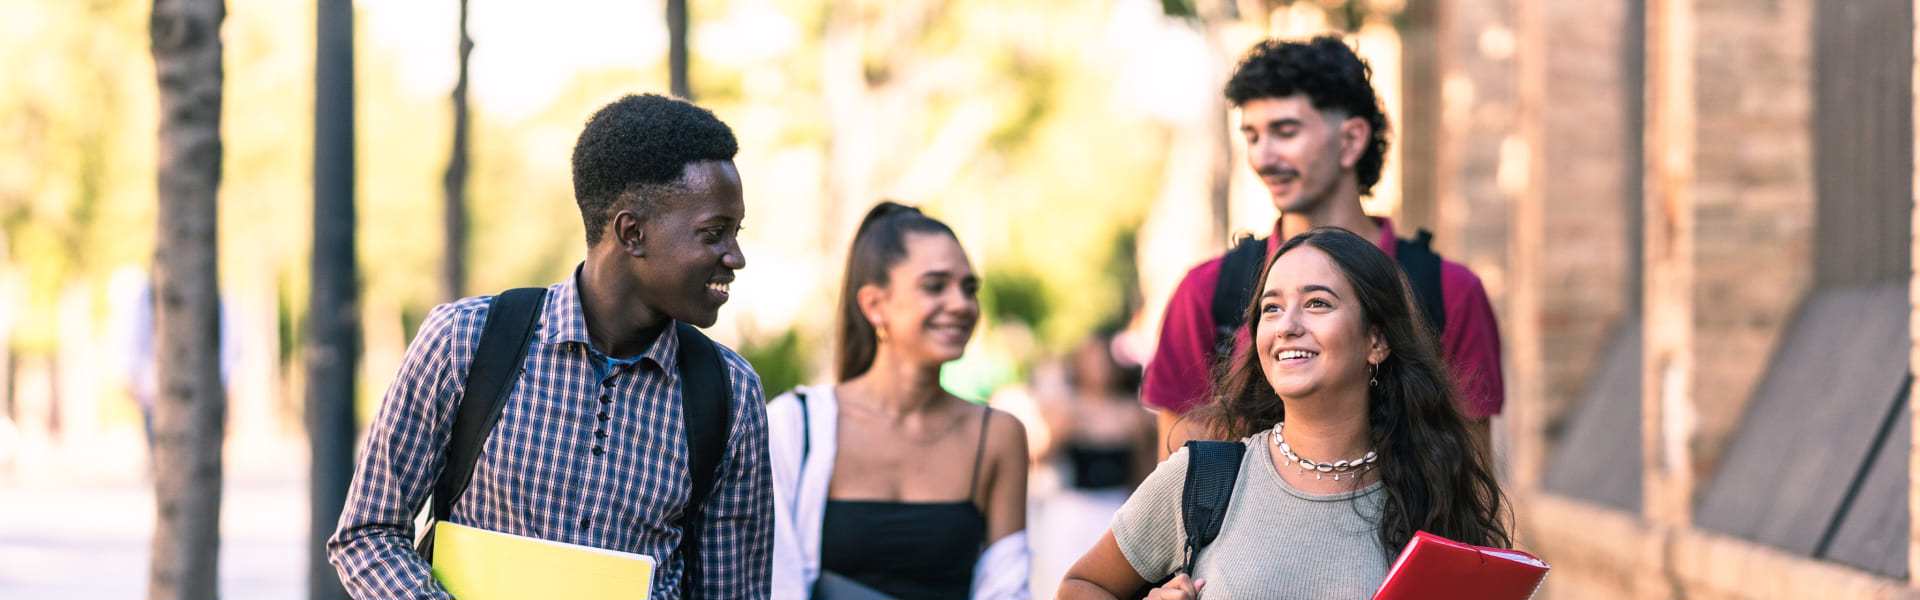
x=476 y=564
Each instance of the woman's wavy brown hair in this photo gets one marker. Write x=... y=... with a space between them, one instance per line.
x=1434 y=478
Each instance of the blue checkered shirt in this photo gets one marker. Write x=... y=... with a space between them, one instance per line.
x=577 y=457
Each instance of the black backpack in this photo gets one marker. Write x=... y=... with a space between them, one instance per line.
x=705 y=397
x=1239 y=272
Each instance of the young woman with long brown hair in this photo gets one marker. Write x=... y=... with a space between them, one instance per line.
x=885 y=480
x=1353 y=444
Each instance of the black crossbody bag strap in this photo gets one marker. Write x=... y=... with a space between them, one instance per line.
x=705 y=400
x=490 y=376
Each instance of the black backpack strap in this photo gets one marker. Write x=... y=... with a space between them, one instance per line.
x=705 y=401
x=1422 y=265
x=1239 y=272
x=806 y=428
x=1212 y=469
x=490 y=377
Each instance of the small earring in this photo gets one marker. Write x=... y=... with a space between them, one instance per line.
x=880 y=335
x=1373 y=375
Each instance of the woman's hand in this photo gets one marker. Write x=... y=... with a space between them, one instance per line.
x=1179 y=588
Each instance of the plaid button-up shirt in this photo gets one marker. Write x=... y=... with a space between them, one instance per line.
x=587 y=451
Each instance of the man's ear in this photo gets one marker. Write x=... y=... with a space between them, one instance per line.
x=1355 y=136
x=629 y=232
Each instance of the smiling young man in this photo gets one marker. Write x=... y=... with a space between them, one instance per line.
x=1317 y=138
x=590 y=445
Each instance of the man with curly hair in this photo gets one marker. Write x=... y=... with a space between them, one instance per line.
x=600 y=428
x=1317 y=138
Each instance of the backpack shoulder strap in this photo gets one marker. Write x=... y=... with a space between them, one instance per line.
x=1422 y=266
x=806 y=427
x=495 y=367
x=705 y=401
x=1212 y=469
x=1239 y=271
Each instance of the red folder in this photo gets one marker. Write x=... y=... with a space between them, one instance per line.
x=1436 y=568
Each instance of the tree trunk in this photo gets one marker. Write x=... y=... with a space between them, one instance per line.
x=677 y=48
x=190 y=409
x=453 y=269
x=333 y=317
x=1216 y=16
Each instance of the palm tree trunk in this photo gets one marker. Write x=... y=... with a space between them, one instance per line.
x=453 y=268
x=333 y=317
x=677 y=48
x=190 y=410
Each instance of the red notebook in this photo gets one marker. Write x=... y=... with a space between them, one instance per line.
x=1436 y=568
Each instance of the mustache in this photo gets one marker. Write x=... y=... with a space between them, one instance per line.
x=1277 y=171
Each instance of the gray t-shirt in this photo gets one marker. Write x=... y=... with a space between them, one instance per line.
x=1276 y=541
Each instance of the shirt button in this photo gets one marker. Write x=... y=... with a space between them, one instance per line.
x=585 y=522
x=607 y=383
x=604 y=417
x=597 y=451
x=602 y=434
x=606 y=400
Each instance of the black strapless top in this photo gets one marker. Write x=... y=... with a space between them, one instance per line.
x=1097 y=467
x=909 y=550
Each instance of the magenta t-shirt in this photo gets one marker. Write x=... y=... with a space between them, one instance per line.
x=1177 y=378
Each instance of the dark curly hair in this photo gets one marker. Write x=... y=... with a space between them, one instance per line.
x=1332 y=77
x=1434 y=478
x=637 y=146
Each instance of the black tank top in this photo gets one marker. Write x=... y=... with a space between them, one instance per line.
x=908 y=550
x=1092 y=466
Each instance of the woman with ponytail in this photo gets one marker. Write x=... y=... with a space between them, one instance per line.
x=1353 y=443
x=884 y=480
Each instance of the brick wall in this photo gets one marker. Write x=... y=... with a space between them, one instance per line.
x=1754 y=200
x=1479 y=100
x=1591 y=139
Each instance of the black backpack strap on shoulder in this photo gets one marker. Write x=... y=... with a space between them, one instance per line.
x=806 y=428
x=491 y=373
x=706 y=398
x=1212 y=469
x=1422 y=265
x=1239 y=272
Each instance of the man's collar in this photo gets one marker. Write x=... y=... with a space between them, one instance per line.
x=566 y=323
x=1387 y=240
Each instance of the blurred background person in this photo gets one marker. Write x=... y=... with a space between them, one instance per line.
x=886 y=512
x=1100 y=444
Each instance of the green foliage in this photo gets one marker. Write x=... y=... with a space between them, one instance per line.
x=1014 y=294
x=781 y=361
x=1179 y=8
x=1043 y=191
x=1036 y=81
x=1121 y=271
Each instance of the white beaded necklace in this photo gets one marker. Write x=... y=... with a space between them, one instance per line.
x=1350 y=468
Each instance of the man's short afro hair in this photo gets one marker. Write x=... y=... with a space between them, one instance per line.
x=640 y=141
x=1332 y=77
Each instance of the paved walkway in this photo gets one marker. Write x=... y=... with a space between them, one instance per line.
x=78 y=520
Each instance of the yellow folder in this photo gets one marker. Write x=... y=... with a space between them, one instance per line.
x=476 y=564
